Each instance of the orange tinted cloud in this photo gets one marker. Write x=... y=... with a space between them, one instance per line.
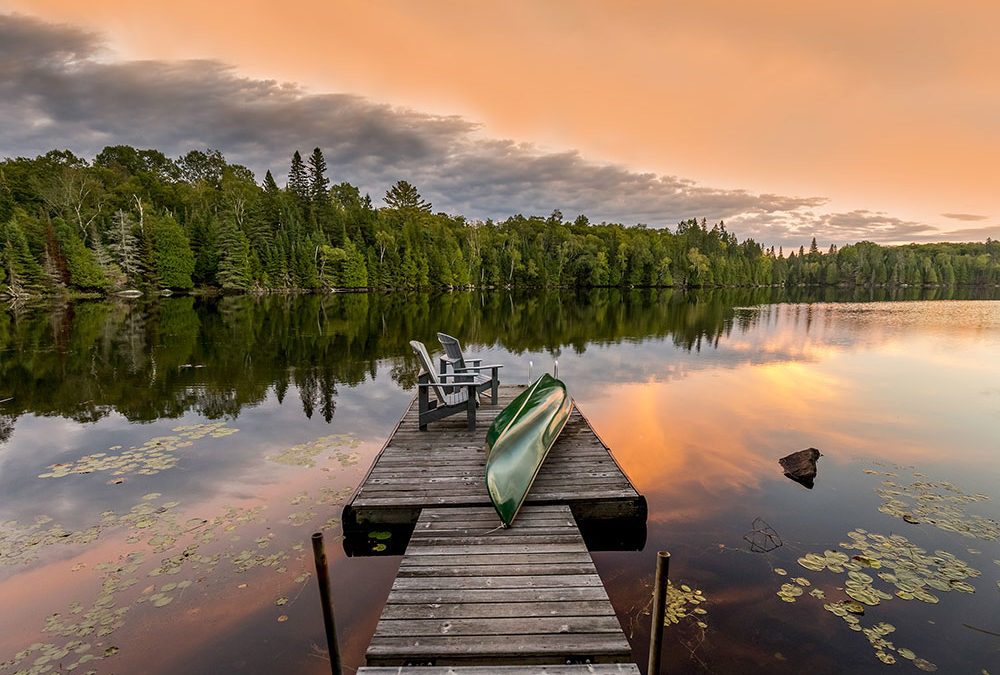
x=889 y=107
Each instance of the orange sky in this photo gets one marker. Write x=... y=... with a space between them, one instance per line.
x=890 y=106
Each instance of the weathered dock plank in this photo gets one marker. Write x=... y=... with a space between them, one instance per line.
x=468 y=594
x=598 y=669
x=444 y=467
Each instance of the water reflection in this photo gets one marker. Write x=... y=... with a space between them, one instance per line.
x=698 y=395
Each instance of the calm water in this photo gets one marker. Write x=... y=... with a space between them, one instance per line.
x=162 y=466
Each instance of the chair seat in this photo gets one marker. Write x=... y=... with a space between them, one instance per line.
x=457 y=397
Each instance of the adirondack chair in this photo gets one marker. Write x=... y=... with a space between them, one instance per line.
x=460 y=395
x=454 y=358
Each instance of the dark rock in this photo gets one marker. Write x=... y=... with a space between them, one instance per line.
x=801 y=466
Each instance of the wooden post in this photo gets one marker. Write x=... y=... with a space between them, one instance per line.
x=659 y=611
x=323 y=577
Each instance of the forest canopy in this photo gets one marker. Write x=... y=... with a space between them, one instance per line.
x=136 y=219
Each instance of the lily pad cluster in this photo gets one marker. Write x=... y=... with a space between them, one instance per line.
x=178 y=544
x=938 y=503
x=19 y=544
x=789 y=592
x=69 y=656
x=328 y=497
x=305 y=454
x=684 y=604
x=884 y=567
x=851 y=611
x=913 y=571
x=152 y=457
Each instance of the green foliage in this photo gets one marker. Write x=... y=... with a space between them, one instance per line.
x=136 y=218
x=402 y=195
x=235 y=271
x=84 y=270
x=172 y=256
x=22 y=273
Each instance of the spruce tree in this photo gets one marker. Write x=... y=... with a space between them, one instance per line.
x=23 y=273
x=234 y=272
x=172 y=256
x=404 y=196
x=319 y=184
x=298 y=184
x=84 y=271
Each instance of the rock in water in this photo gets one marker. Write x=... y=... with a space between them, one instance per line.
x=801 y=466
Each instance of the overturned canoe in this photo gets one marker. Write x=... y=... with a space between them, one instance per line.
x=518 y=441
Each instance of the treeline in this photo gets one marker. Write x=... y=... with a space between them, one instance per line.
x=137 y=220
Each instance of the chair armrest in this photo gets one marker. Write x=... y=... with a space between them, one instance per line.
x=478 y=368
x=455 y=380
x=463 y=383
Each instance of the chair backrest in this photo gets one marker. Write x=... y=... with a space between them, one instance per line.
x=425 y=362
x=452 y=348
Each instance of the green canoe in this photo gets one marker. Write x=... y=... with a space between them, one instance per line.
x=518 y=441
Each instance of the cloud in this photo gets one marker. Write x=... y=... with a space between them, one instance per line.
x=59 y=89
x=965 y=234
x=798 y=227
x=964 y=216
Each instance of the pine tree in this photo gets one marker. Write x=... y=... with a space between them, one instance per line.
x=84 y=270
x=172 y=256
x=234 y=260
x=404 y=196
x=23 y=273
x=319 y=184
x=124 y=245
x=298 y=184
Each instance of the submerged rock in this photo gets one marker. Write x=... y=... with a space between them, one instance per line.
x=801 y=466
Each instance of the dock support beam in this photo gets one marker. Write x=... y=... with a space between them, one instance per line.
x=660 y=585
x=323 y=577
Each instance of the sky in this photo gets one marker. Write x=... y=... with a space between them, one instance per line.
x=839 y=120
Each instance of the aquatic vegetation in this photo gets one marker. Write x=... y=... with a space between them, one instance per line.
x=938 y=503
x=305 y=454
x=684 y=603
x=876 y=568
x=152 y=457
x=19 y=544
x=164 y=542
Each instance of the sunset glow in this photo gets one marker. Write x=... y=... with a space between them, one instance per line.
x=882 y=117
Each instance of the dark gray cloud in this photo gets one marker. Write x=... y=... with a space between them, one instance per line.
x=59 y=89
x=964 y=216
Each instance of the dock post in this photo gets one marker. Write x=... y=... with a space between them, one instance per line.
x=660 y=585
x=323 y=577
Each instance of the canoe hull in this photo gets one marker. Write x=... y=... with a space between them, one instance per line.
x=519 y=440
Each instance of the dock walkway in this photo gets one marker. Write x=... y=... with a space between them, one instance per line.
x=471 y=598
x=468 y=593
x=445 y=465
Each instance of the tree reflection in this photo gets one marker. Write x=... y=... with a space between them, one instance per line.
x=161 y=358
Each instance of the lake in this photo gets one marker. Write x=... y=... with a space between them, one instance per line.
x=163 y=464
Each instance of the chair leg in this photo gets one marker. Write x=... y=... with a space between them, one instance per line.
x=471 y=408
x=496 y=385
x=423 y=403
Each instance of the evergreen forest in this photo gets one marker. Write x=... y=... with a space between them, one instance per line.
x=137 y=220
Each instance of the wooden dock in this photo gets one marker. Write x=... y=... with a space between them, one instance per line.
x=471 y=598
x=469 y=593
x=444 y=466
